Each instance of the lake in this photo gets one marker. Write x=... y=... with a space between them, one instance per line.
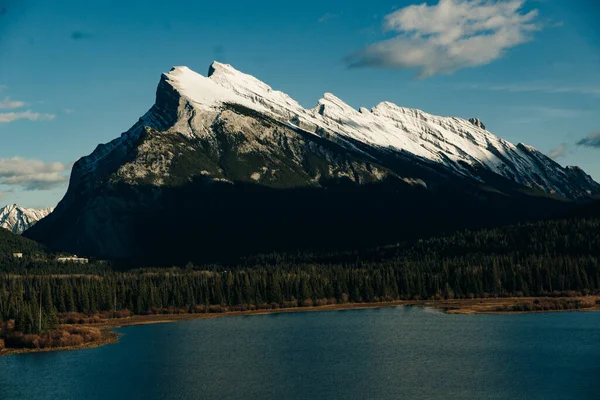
x=388 y=353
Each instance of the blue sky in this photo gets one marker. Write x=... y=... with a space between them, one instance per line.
x=77 y=73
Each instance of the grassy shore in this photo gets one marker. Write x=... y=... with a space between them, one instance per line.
x=464 y=307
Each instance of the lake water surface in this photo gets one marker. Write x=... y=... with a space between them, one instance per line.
x=390 y=353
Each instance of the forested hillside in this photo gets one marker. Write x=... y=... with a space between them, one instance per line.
x=549 y=258
x=11 y=243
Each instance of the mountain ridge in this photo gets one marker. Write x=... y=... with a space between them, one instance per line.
x=226 y=155
x=443 y=140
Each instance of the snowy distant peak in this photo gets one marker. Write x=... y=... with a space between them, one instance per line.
x=477 y=122
x=18 y=219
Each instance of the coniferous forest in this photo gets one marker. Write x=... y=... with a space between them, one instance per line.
x=547 y=258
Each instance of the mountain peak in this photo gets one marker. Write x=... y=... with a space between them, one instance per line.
x=477 y=122
x=18 y=219
x=525 y=146
x=217 y=67
x=454 y=143
x=333 y=106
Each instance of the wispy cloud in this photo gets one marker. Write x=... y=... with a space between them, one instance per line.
x=449 y=36
x=32 y=174
x=558 y=152
x=68 y=111
x=8 y=104
x=327 y=17
x=536 y=114
x=29 y=115
x=555 y=112
x=591 y=140
x=592 y=90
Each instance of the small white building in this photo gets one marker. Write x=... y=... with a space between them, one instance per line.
x=17 y=255
x=73 y=259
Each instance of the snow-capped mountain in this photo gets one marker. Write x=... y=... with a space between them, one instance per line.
x=18 y=219
x=224 y=158
x=463 y=147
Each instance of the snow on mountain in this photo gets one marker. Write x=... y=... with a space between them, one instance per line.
x=462 y=146
x=18 y=219
x=225 y=155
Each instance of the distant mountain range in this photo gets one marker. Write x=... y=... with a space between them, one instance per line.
x=224 y=165
x=18 y=219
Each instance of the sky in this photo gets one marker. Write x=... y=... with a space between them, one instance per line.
x=74 y=74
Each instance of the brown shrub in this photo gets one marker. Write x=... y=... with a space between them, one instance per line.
x=307 y=303
x=31 y=341
x=73 y=318
x=290 y=304
x=89 y=334
x=70 y=341
x=199 y=309
x=320 y=302
x=2 y=345
x=44 y=342
x=215 y=308
x=125 y=313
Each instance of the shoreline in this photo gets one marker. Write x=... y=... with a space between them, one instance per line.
x=489 y=306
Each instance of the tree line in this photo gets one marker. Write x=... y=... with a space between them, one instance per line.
x=550 y=258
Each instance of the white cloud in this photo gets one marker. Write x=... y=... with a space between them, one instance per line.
x=558 y=152
x=8 y=104
x=449 y=36
x=32 y=116
x=32 y=174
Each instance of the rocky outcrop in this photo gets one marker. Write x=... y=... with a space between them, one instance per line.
x=477 y=122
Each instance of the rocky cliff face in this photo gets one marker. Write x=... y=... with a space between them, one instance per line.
x=225 y=159
x=477 y=122
x=18 y=219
